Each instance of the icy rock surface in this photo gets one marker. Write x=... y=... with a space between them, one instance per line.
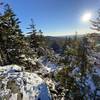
x=16 y=84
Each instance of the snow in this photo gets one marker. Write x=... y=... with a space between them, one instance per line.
x=75 y=71
x=14 y=97
x=98 y=93
x=96 y=71
x=90 y=83
x=30 y=84
x=33 y=61
x=47 y=65
x=10 y=68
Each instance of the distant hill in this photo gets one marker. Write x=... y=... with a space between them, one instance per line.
x=58 y=39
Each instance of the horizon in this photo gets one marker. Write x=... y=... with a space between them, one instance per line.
x=56 y=17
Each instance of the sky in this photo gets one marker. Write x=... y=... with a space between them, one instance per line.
x=55 y=17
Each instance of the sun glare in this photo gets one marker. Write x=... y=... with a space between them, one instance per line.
x=86 y=17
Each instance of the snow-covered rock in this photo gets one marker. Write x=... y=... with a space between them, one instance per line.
x=47 y=66
x=16 y=84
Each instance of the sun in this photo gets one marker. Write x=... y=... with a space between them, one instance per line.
x=86 y=17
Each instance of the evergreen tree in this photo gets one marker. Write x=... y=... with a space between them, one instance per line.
x=41 y=39
x=64 y=45
x=96 y=23
x=40 y=33
x=33 y=35
x=84 y=65
x=74 y=89
x=83 y=53
x=37 y=40
x=11 y=39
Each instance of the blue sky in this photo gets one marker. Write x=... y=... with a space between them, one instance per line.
x=55 y=17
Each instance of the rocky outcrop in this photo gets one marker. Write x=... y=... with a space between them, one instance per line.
x=16 y=84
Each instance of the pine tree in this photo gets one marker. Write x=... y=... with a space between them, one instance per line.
x=84 y=65
x=64 y=45
x=37 y=40
x=96 y=23
x=83 y=53
x=33 y=36
x=41 y=39
x=11 y=39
